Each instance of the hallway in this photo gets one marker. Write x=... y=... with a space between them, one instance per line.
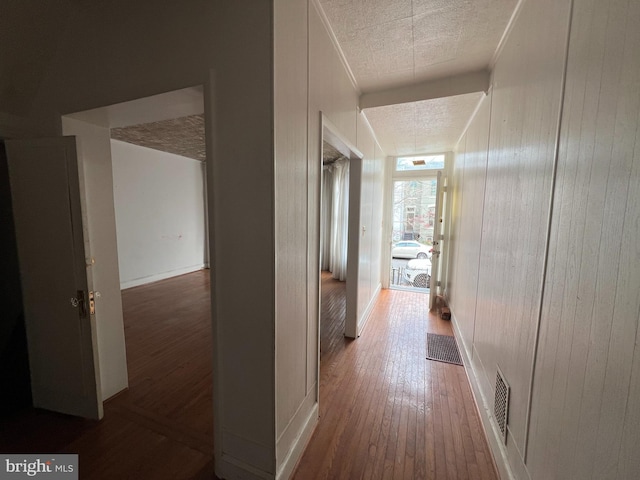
x=386 y=411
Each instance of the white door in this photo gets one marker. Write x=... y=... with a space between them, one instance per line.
x=55 y=287
x=438 y=237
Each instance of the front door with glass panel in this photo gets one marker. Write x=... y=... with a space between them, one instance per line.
x=415 y=229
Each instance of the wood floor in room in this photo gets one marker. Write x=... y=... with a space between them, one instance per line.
x=386 y=411
x=162 y=426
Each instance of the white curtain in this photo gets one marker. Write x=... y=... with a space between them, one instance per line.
x=327 y=200
x=339 y=219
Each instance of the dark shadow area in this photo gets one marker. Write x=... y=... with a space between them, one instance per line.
x=15 y=384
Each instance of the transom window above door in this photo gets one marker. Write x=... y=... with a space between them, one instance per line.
x=423 y=162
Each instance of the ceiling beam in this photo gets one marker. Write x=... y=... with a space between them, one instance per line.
x=471 y=82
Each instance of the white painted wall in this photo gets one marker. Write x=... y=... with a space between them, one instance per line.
x=469 y=172
x=503 y=183
x=160 y=220
x=296 y=401
x=585 y=414
x=332 y=93
x=580 y=383
x=300 y=97
x=371 y=214
x=240 y=114
x=96 y=193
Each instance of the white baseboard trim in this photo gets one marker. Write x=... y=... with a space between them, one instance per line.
x=496 y=444
x=300 y=443
x=367 y=313
x=160 y=276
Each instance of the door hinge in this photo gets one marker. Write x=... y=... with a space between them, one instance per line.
x=92 y=304
x=439 y=283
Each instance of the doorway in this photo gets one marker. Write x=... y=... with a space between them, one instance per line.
x=416 y=224
x=340 y=180
x=94 y=161
x=151 y=189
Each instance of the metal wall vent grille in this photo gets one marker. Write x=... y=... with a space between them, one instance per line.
x=501 y=404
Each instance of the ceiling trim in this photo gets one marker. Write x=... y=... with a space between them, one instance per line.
x=336 y=44
x=471 y=118
x=471 y=82
x=506 y=33
x=372 y=131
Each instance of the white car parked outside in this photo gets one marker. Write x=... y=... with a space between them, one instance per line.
x=418 y=272
x=410 y=249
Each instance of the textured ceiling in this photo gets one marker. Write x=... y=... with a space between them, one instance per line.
x=181 y=136
x=185 y=136
x=397 y=43
x=390 y=43
x=430 y=126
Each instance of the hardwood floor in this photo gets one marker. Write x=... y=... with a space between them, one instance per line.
x=162 y=426
x=386 y=411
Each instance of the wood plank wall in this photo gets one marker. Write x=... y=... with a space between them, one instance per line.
x=585 y=420
x=310 y=79
x=470 y=172
x=504 y=212
x=585 y=397
x=525 y=103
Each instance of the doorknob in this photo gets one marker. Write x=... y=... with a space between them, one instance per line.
x=78 y=302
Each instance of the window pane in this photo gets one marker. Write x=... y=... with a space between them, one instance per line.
x=414 y=210
x=430 y=162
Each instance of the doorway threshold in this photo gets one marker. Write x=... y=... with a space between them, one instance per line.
x=409 y=289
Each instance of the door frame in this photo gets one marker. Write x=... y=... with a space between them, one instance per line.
x=331 y=134
x=143 y=109
x=394 y=175
x=438 y=237
x=12 y=127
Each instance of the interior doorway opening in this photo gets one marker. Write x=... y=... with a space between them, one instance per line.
x=152 y=151
x=80 y=171
x=341 y=177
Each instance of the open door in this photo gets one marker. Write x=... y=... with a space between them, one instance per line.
x=438 y=237
x=55 y=283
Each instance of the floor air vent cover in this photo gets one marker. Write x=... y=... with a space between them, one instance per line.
x=443 y=348
x=501 y=404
